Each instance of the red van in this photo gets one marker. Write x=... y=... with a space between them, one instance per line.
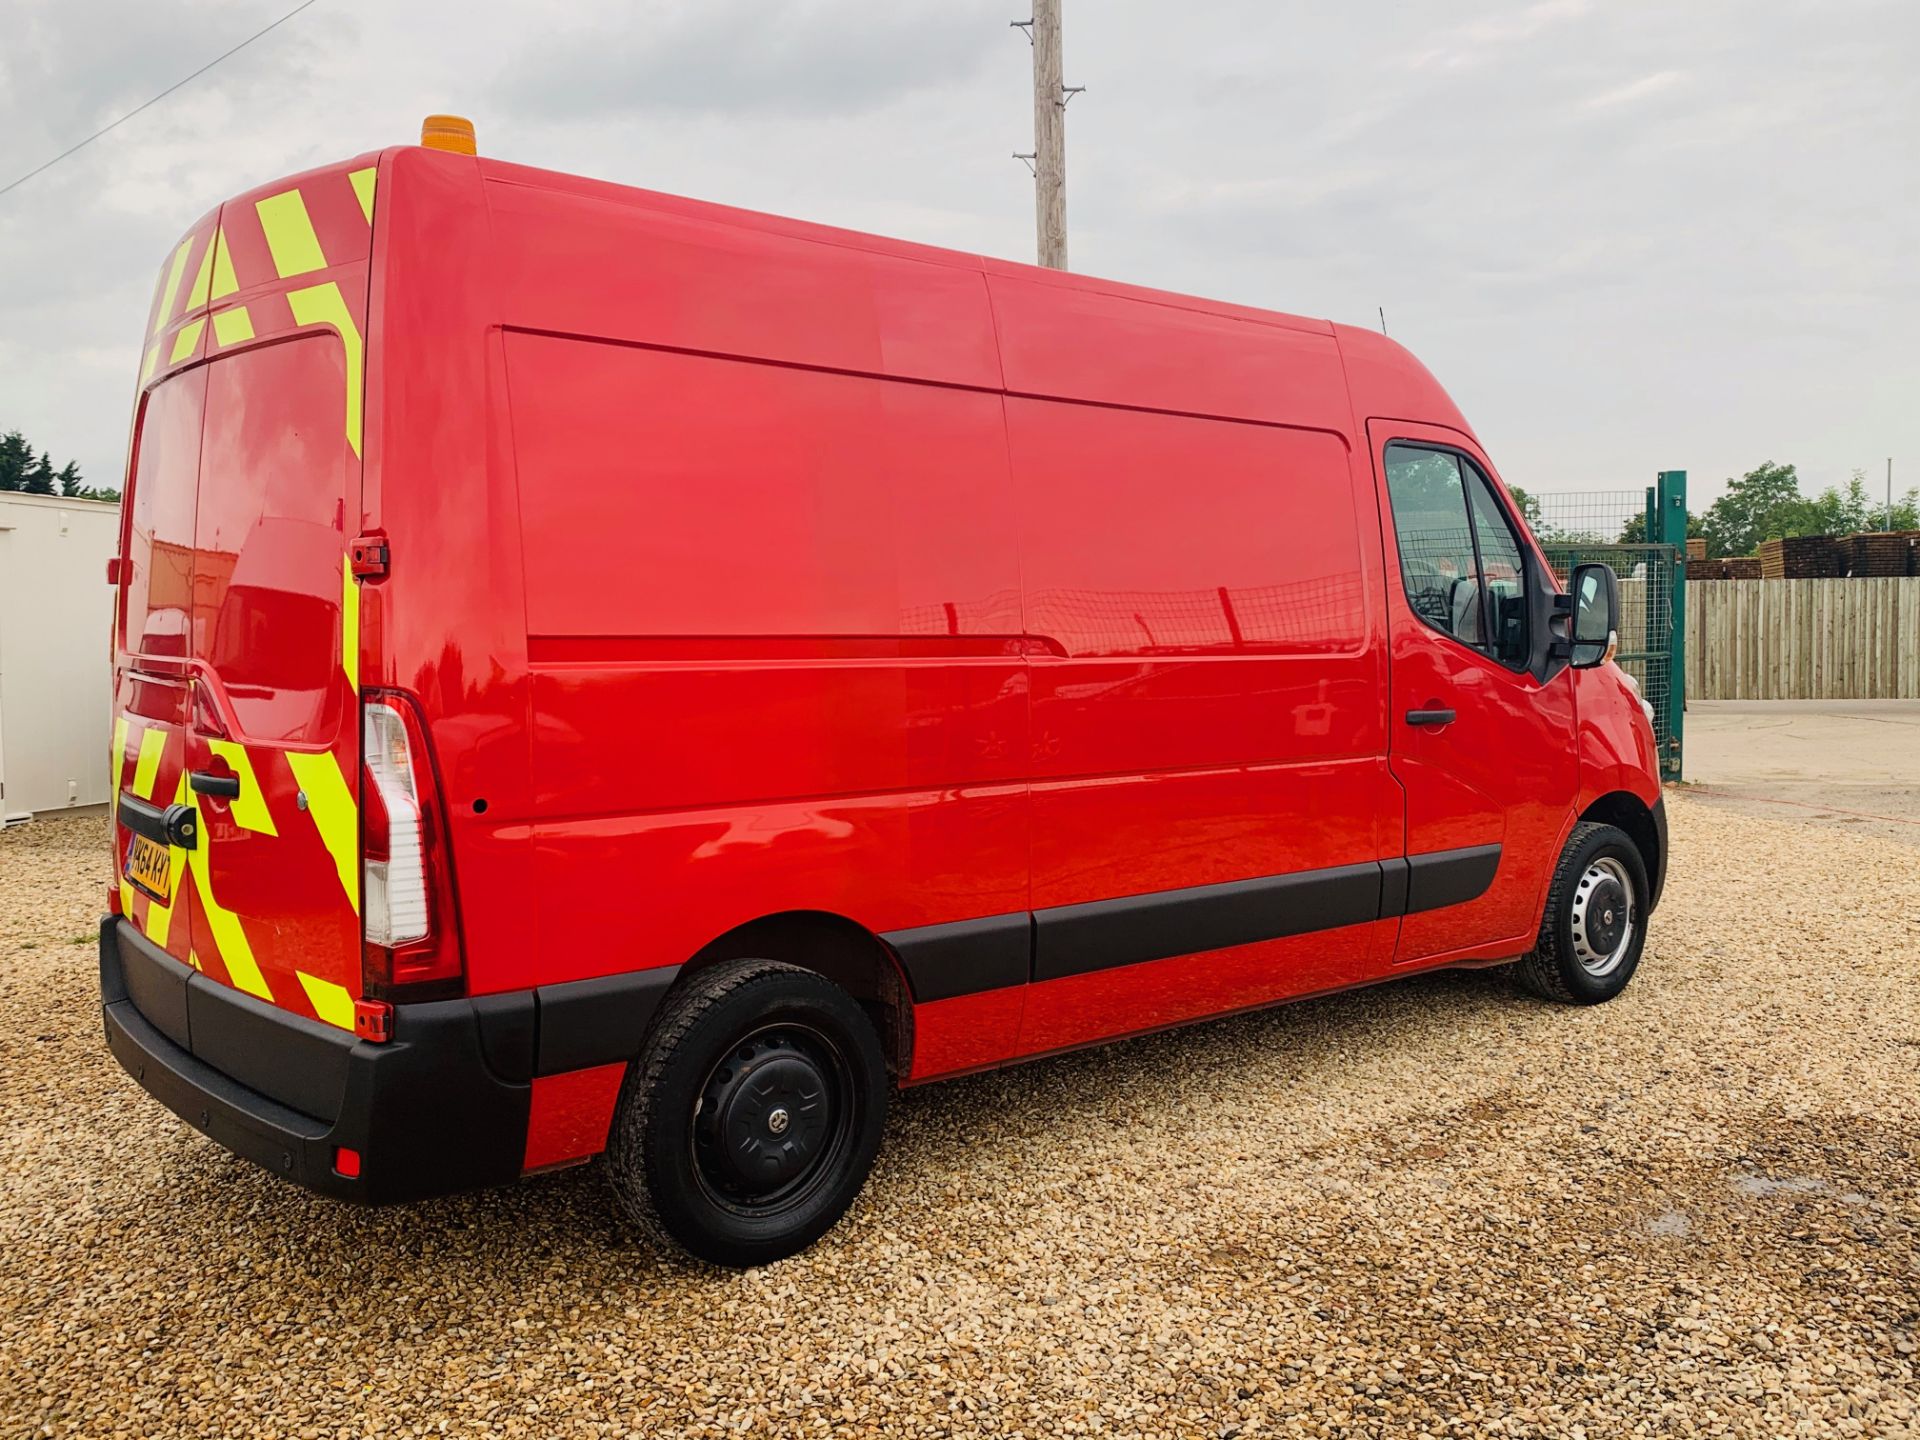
x=600 y=673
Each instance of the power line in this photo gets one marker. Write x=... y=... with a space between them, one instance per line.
x=156 y=99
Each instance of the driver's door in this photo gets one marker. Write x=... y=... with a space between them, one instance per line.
x=1481 y=743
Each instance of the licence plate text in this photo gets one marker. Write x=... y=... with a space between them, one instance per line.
x=150 y=866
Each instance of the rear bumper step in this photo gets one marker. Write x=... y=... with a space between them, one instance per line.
x=425 y=1111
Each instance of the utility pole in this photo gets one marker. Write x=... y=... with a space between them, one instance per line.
x=1049 y=157
x=1889 y=492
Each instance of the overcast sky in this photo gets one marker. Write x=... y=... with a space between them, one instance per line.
x=1625 y=236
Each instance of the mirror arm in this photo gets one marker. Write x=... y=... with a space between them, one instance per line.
x=1560 y=628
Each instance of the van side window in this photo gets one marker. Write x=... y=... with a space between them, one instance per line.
x=1460 y=559
x=1437 y=561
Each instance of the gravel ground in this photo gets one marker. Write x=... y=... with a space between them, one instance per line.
x=1430 y=1208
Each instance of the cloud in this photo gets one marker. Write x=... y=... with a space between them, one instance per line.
x=734 y=57
x=1636 y=89
x=1481 y=41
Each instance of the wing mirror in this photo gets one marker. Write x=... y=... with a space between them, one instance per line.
x=1586 y=623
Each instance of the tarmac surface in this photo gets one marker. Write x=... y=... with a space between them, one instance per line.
x=1850 y=764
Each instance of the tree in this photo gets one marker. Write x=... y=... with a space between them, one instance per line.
x=1761 y=504
x=1847 y=513
x=20 y=470
x=1528 y=506
x=15 y=456
x=39 y=477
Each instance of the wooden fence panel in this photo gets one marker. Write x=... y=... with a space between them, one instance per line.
x=1804 y=639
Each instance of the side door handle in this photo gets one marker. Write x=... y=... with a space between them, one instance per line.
x=1430 y=717
x=205 y=782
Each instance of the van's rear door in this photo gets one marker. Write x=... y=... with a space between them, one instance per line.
x=275 y=743
x=239 y=648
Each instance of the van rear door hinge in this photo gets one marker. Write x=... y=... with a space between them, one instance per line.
x=370 y=557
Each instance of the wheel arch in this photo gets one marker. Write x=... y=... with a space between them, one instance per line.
x=837 y=949
x=1627 y=812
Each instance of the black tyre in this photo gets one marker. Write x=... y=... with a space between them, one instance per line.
x=1595 y=923
x=752 y=1116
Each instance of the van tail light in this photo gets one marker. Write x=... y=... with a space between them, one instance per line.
x=412 y=944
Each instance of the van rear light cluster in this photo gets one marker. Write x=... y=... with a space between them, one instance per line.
x=406 y=885
x=396 y=871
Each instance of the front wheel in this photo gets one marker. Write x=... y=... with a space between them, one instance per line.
x=1595 y=922
x=750 y=1120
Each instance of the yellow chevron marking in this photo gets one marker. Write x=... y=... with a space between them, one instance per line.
x=324 y=305
x=146 y=365
x=363 y=187
x=146 y=769
x=350 y=624
x=224 y=281
x=230 y=327
x=188 y=337
x=249 y=807
x=172 y=287
x=197 y=292
x=330 y=1002
x=296 y=249
x=229 y=936
x=335 y=815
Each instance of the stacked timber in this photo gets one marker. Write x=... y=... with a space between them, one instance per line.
x=1800 y=557
x=1880 y=554
x=1741 y=567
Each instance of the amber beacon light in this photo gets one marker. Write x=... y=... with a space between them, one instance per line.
x=448 y=132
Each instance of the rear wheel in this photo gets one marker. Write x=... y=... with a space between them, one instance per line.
x=1595 y=922
x=750 y=1120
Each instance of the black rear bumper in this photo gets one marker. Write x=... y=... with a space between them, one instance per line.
x=426 y=1111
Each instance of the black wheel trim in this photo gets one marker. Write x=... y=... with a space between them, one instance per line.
x=719 y=1105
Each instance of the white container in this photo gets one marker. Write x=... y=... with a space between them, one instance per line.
x=56 y=614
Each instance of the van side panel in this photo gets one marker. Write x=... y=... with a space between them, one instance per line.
x=1073 y=340
x=774 y=626
x=1207 y=669
x=449 y=625
x=1208 y=673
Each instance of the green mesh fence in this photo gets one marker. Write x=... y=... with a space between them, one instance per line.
x=1588 y=517
x=1648 y=574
